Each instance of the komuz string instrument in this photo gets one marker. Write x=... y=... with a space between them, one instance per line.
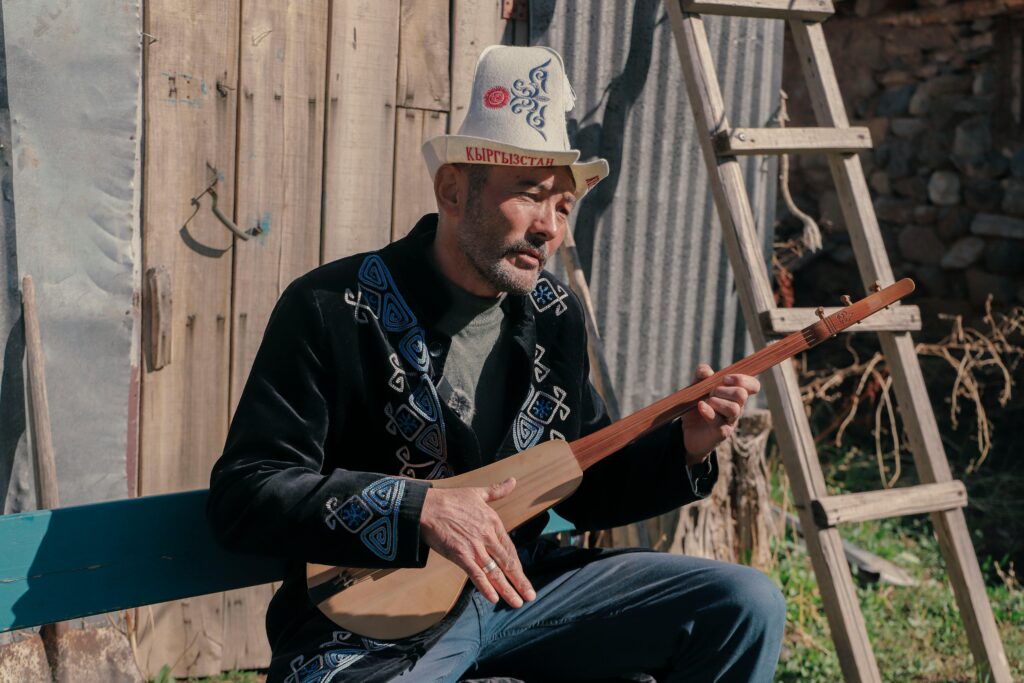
x=397 y=603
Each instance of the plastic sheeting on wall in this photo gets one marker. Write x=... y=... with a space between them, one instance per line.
x=73 y=78
x=648 y=235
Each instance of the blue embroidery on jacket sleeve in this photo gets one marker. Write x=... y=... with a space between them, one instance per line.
x=381 y=536
x=375 y=512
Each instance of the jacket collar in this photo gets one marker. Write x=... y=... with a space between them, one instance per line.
x=427 y=292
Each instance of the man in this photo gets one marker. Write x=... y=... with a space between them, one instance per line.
x=438 y=354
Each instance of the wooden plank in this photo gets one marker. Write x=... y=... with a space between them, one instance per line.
x=909 y=500
x=781 y=388
x=190 y=103
x=283 y=64
x=55 y=566
x=476 y=24
x=780 y=321
x=806 y=10
x=423 y=55
x=414 y=188
x=911 y=393
x=360 y=128
x=792 y=140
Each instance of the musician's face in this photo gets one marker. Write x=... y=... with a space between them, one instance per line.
x=515 y=220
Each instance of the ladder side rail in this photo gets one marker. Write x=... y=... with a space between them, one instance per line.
x=782 y=390
x=898 y=348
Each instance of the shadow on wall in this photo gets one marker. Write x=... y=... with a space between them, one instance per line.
x=12 y=331
x=606 y=139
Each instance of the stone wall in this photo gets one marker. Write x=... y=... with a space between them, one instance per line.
x=941 y=94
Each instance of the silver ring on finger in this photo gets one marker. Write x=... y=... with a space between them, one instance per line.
x=490 y=567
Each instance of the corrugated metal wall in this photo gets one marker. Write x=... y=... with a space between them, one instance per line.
x=648 y=235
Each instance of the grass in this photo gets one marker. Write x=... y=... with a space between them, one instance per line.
x=916 y=632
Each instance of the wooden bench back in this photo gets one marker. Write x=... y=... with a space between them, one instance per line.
x=72 y=562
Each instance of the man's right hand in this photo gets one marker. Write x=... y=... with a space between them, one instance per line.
x=459 y=524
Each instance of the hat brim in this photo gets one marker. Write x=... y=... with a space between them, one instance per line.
x=466 y=149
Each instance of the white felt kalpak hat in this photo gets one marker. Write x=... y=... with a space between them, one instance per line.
x=516 y=117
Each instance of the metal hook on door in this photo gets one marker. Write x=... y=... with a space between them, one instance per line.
x=204 y=249
x=228 y=223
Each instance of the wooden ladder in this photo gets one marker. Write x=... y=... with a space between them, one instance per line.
x=939 y=494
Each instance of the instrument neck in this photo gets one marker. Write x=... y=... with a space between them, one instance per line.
x=594 y=447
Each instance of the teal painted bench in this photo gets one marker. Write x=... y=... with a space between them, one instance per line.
x=73 y=562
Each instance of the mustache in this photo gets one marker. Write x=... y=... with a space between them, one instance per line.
x=539 y=251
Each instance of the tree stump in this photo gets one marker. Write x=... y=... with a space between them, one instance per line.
x=734 y=523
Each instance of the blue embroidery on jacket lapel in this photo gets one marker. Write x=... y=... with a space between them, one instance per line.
x=378 y=296
x=541 y=408
x=546 y=295
x=421 y=421
x=414 y=349
x=397 y=381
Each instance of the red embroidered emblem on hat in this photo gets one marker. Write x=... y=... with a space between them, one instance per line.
x=496 y=98
x=592 y=180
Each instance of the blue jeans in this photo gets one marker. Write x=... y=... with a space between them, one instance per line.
x=679 y=618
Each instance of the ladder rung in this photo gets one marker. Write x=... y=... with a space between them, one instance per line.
x=791 y=140
x=908 y=500
x=779 y=321
x=807 y=10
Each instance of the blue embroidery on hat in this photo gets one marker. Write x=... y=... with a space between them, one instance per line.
x=531 y=97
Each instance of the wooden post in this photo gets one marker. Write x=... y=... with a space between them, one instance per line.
x=47 y=497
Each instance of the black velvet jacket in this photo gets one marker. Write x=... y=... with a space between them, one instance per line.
x=341 y=424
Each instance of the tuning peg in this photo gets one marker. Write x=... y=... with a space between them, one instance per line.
x=845 y=298
x=820 y=312
x=876 y=287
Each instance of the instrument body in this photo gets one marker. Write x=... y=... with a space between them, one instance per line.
x=390 y=604
x=387 y=604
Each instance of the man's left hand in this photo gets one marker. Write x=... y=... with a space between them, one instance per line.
x=713 y=420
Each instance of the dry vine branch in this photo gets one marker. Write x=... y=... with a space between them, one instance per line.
x=971 y=354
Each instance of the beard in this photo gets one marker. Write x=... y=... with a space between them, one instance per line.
x=487 y=251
